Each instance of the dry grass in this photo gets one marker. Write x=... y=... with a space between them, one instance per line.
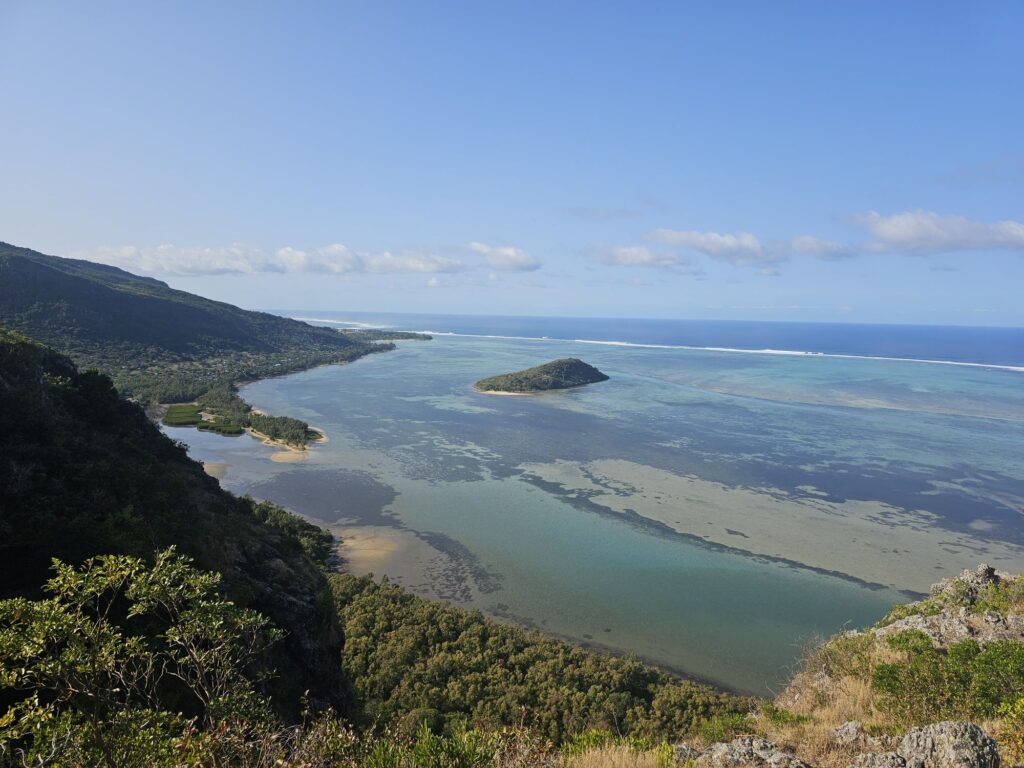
x=826 y=702
x=822 y=701
x=614 y=757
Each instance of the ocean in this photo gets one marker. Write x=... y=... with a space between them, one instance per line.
x=732 y=493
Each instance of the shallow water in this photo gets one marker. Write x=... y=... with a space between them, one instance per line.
x=709 y=511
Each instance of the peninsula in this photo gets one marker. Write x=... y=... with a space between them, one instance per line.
x=563 y=373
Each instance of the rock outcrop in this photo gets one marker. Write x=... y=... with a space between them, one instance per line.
x=852 y=734
x=950 y=744
x=747 y=751
x=951 y=612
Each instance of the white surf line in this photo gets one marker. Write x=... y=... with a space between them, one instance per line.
x=800 y=353
x=346 y=323
x=736 y=350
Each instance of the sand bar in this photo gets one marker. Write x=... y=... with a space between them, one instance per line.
x=867 y=540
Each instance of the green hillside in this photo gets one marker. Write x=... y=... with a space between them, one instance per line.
x=161 y=345
x=84 y=472
x=108 y=318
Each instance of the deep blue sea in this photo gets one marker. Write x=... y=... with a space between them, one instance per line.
x=970 y=344
x=733 y=491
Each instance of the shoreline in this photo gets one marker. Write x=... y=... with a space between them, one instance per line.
x=273 y=442
x=535 y=393
x=406 y=559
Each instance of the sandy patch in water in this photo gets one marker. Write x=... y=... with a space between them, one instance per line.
x=216 y=468
x=288 y=457
x=868 y=540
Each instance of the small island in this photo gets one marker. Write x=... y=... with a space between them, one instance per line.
x=564 y=373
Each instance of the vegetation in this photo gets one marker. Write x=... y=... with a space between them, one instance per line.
x=160 y=345
x=231 y=415
x=964 y=681
x=558 y=374
x=412 y=660
x=905 y=679
x=124 y=664
x=366 y=335
x=83 y=472
x=998 y=597
x=182 y=415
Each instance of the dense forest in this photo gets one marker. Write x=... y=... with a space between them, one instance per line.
x=84 y=472
x=412 y=660
x=160 y=345
x=564 y=373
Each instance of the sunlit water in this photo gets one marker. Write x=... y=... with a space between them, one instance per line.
x=414 y=448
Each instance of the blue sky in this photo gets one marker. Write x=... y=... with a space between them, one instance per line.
x=780 y=161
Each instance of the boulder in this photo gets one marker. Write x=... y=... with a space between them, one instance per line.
x=852 y=734
x=957 y=624
x=949 y=744
x=684 y=753
x=746 y=752
x=879 y=760
x=943 y=629
x=966 y=587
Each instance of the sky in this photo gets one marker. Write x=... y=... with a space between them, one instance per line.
x=806 y=161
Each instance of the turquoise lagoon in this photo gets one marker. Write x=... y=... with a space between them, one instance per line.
x=710 y=511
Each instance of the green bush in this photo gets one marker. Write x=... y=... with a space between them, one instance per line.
x=782 y=717
x=964 y=681
x=124 y=665
x=844 y=656
x=724 y=727
x=1011 y=732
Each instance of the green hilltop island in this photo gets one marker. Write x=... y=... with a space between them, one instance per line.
x=563 y=373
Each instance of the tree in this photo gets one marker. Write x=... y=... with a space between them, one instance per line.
x=126 y=665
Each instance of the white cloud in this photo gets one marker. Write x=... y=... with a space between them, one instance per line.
x=926 y=232
x=639 y=256
x=741 y=249
x=505 y=258
x=827 y=250
x=172 y=260
x=245 y=260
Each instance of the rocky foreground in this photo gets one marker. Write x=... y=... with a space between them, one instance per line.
x=949 y=744
x=864 y=698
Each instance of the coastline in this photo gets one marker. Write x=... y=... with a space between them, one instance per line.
x=504 y=393
x=427 y=570
x=273 y=442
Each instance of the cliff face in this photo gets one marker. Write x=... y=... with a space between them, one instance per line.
x=83 y=472
x=558 y=374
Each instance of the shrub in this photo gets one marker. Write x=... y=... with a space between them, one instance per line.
x=845 y=656
x=126 y=665
x=783 y=717
x=724 y=727
x=963 y=681
x=1011 y=732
